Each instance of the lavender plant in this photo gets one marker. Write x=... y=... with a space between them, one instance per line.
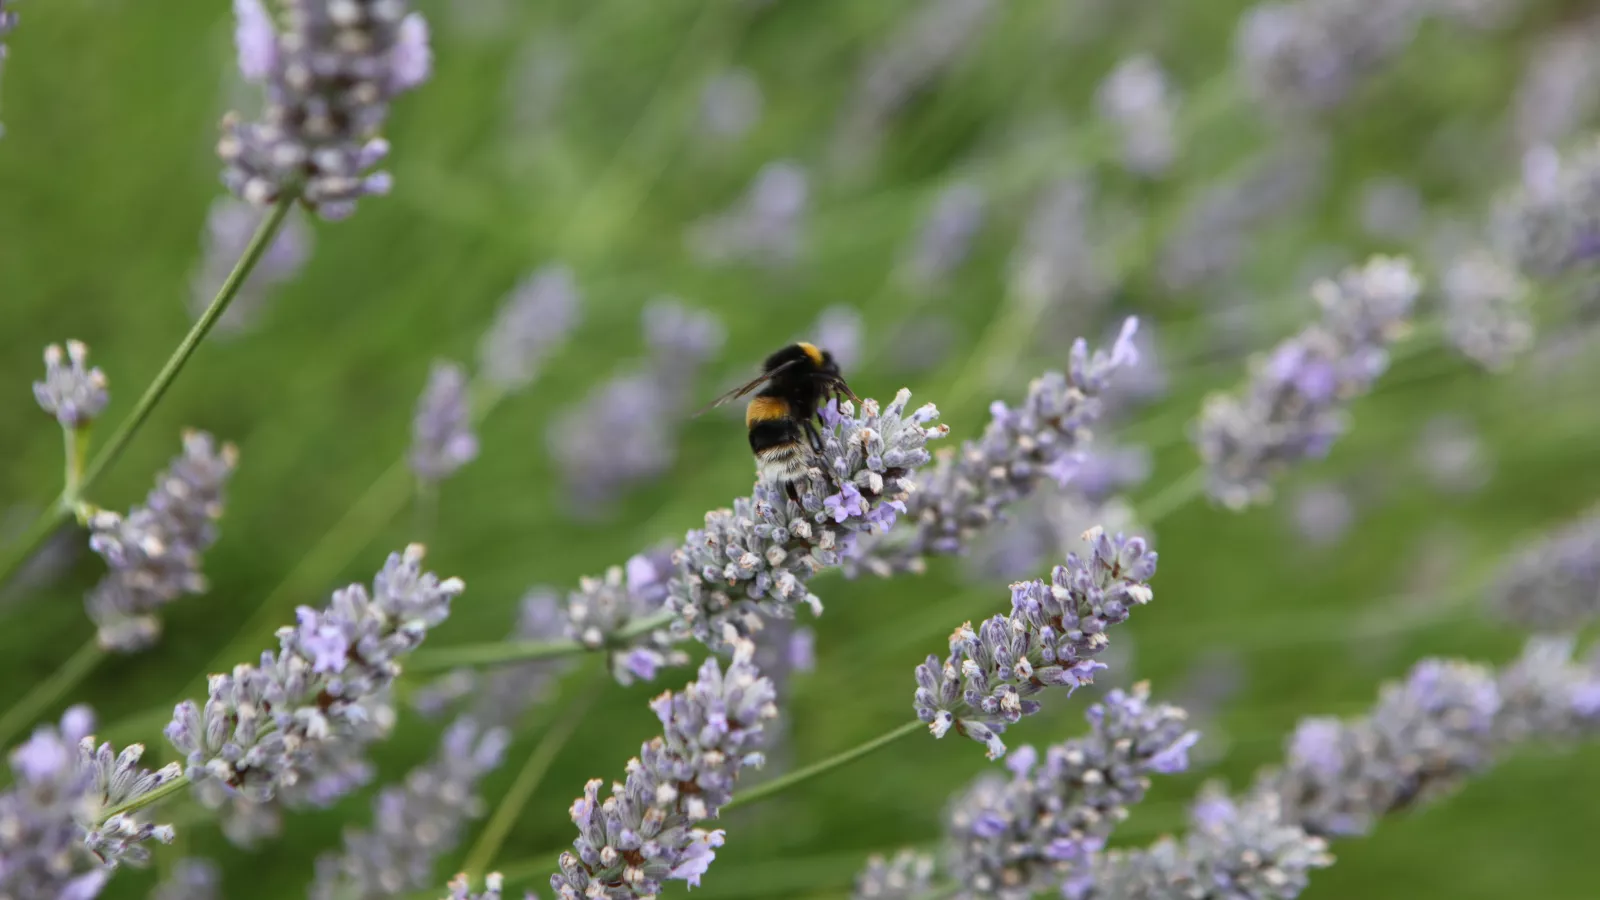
x=1553 y=584
x=230 y=224
x=442 y=440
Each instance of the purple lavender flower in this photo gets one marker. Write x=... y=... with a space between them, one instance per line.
x=1322 y=513
x=625 y=431
x=1044 y=438
x=756 y=559
x=1553 y=584
x=945 y=238
x=442 y=440
x=1486 y=313
x=1014 y=838
x=117 y=779
x=1550 y=227
x=461 y=889
x=154 y=552
x=906 y=876
x=647 y=831
x=285 y=729
x=1049 y=639
x=414 y=823
x=190 y=879
x=535 y=319
x=1136 y=99
x=230 y=225
x=1557 y=92
x=1311 y=54
x=71 y=391
x=602 y=608
x=765 y=227
x=1059 y=260
x=1294 y=408
x=41 y=835
x=330 y=75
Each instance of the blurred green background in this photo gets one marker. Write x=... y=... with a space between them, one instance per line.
x=603 y=162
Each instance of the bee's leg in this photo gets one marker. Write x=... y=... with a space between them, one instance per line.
x=816 y=445
x=789 y=488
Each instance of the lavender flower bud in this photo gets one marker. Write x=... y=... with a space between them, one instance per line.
x=1322 y=513
x=1240 y=851
x=1557 y=92
x=646 y=831
x=330 y=75
x=275 y=728
x=1050 y=639
x=1554 y=584
x=1486 y=313
x=71 y=391
x=229 y=227
x=1012 y=839
x=756 y=559
x=908 y=876
x=41 y=815
x=1294 y=408
x=442 y=440
x=461 y=889
x=190 y=879
x=154 y=552
x=535 y=319
x=1044 y=438
x=945 y=238
x=601 y=608
x=118 y=779
x=1136 y=99
x=765 y=227
x=414 y=823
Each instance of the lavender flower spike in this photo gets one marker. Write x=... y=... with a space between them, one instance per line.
x=1050 y=639
x=414 y=823
x=71 y=391
x=154 y=552
x=602 y=608
x=755 y=559
x=441 y=433
x=117 y=779
x=646 y=831
x=41 y=838
x=330 y=75
x=1013 y=839
x=1294 y=407
x=274 y=728
x=535 y=319
x=1553 y=585
x=1043 y=438
x=908 y=876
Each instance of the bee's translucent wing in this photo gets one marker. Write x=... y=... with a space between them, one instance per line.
x=743 y=389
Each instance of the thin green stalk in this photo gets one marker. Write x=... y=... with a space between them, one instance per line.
x=798 y=776
x=527 y=781
x=66 y=677
x=150 y=799
x=1172 y=498
x=76 y=447
x=54 y=515
x=500 y=653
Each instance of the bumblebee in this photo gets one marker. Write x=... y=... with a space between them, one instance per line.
x=781 y=418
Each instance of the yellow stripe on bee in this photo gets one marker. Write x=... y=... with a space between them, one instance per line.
x=765 y=409
x=811 y=351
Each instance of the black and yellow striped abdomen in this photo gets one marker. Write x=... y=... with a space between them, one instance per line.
x=776 y=439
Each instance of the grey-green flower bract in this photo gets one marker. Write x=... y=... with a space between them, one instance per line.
x=276 y=727
x=1049 y=639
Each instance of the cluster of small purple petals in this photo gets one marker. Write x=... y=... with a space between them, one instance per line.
x=71 y=391
x=1486 y=309
x=1018 y=837
x=765 y=227
x=329 y=74
x=230 y=225
x=1553 y=584
x=1550 y=227
x=1311 y=54
x=1546 y=696
x=1049 y=639
x=1044 y=438
x=1235 y=851
x=647 y=831
x=1137 y=100
x=118 y=779
x=534 y=320
x=41 y=835
x=442 y=440
x=908 y=875
x=625 y=432
x=190 y=879
x=755 y=559
x=602 y=608
x=945 y=238
x=154 y=553
x=414 y=823
x=1294 y=407
x=275 y=728
x=461 y=889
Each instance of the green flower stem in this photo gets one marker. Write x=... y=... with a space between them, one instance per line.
x=68 y=675
x=66 y=503
x=150 y=799
x=799 y=776
x=1172 y=498
x=500 y=653
x=527 y=781
x=76 y=449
